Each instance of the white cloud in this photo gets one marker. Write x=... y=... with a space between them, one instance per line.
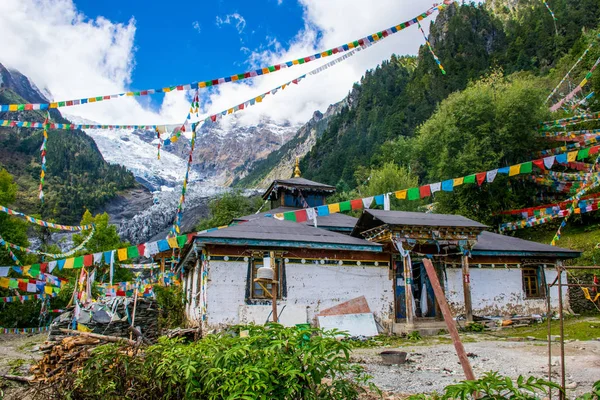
x=327 y=24
x=235 y=18
x=196 y=26
x=74 y=57
x=279 y=2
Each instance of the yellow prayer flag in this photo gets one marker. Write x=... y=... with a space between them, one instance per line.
x=583 y=82
x=334 y=208
x=351 y=45
x=230 y=111
x=4 y=282
x=577 y=211
x=265 y=70
x=295 y=62
x=26 y=270
x=173 y=242
x=129 y=94
x=458 y=181
x=259 y=99
x=234 y=78
x=48 y=289
x=12 y=107
x=202 y=84
x=514 y=170
x=122 y=254
x=69 y=263
x=174 y=139
x=401 y=194
x=572 y=156
x=279 y=215
x=83 y=328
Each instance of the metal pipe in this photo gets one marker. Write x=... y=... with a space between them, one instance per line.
x=562 y=395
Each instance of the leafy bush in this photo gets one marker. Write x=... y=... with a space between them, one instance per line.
x=494 y=386
x=475 y=327
x=594 y=394
x=171 y=306
x=272 y=362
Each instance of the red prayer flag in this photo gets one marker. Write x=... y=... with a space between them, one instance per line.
x=480 y=178
x=594 y=150
x=425 y=191
x=301 y=216
x=43 y=267
x=141 y=249
x=88 y=260
x=356 y=204
x=539 y=163
x=121 y=293
x=22 y=286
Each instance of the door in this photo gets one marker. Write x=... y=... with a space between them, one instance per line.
x=424 y=303
x=400 y=293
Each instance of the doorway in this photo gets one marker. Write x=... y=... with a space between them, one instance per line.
x=424 y=302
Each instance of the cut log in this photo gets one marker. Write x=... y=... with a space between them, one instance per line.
x=113 y=339
x=25 y=379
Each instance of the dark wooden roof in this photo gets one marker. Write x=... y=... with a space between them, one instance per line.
x=423 y=219
x=268 y=231
x=489 y=243
x=299 y=183
x=335 y=221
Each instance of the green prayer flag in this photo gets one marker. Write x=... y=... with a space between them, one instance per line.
x=526 y=168
x=469 y=179
x=181 y=240
x=272 y=68
x=241 y=76
x=301 y=60
x=208 y=83
x=13 y=284
x=345 y=206
x=132 y=252
x=290 y=216
x=413 y=194
x=583 y=154
x=34 y=270
x=355 y=43
x=99 y=98
x=78 y=262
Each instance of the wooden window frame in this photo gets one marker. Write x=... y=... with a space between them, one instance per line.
x=255 y=263
x=533 y=277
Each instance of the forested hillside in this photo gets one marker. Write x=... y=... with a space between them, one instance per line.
x=77 y=176
x=470 y=41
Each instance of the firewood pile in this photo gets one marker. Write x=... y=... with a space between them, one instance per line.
x=67 y=356
x=112 y=317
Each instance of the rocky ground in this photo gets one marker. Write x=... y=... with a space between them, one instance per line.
x=431 y=365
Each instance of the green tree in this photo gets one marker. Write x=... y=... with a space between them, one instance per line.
x=489 y=125
x=12 y=229
x=105 y=236
x=228 y=206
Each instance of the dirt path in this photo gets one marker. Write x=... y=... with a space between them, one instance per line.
x=431 y=368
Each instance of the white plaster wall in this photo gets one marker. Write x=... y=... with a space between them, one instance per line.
x=498 y=291
x=310 y=287
x=320 y=287
x=226 y=291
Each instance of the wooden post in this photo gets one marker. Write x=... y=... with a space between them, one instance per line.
x=408 y=295
x=135 y=296
x=162 y=271
x=549 y=326
x=274 y=285
x=441 y=299
x=562 y=394
x=467 y=289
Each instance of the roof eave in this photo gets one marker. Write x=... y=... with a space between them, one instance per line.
x=288 y=243
x=557 y=254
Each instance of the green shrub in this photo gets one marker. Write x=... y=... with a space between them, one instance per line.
x=494 y=386
x=273 y=362
x=171 y=306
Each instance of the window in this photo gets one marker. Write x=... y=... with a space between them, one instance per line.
x=533 y=283
x=256 y=289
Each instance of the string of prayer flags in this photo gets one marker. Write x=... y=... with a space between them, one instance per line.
x=14 y=299
x=53 y=255
x=24 y=330
x=71 y=127
x=587 y=185
x=553 y=16
x=45 y=223
x=448 y=185
x=569 y=134
x=569 y=72
x=140 y=266
x=561 y=154
x=563 y=122
x=577 y=89
x=10 y=253
x=43 y=158
x=435 y=57
x=233 y=78
x=529 y=211
x=258 y=99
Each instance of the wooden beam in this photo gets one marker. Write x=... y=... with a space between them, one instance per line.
x=408 y=295
x=443 y=303
x=467 y=289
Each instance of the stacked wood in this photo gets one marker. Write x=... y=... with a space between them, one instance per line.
x=146 y=321
x=66 y=356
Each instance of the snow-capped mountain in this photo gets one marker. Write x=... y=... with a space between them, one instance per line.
x=229 y=144
x=134 y=151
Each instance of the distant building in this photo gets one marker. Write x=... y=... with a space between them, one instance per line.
x=378 y=256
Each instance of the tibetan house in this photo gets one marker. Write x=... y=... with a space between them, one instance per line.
x=320 y=264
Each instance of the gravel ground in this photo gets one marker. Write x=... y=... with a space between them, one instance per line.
x=430 y=368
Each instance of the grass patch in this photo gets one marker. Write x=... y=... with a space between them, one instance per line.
x=577 y=328
x=15 y=366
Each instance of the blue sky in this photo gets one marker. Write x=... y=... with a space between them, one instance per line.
x=81 y=48
x=188 y=39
